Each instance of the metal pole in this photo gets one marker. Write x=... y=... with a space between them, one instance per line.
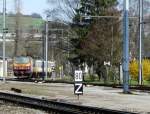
x=4 y=38
x=52 y=50
x=61 y=75
x=46 y=48
x=140 y=40
x=68 y=53
x=43 y=53
x=112 y=47
x=126 y=48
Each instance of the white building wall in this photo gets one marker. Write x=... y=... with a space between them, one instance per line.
x=1 y=68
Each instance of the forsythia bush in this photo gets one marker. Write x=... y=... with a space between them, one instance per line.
x=146 y=69
x=133 y=68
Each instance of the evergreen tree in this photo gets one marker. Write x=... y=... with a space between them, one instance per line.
x=84 y=29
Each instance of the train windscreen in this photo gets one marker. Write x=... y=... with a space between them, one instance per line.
x=21 y=60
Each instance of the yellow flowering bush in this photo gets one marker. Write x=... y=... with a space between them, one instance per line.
x=146 y=69
x=133 y=69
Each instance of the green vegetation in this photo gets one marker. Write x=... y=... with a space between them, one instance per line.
x=27 y=23
x=95 y=44
x=96 y=82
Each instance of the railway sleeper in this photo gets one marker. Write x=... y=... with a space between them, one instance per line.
x=57 y=107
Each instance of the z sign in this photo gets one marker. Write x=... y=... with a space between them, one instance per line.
x=78 y=88
x=78 y=76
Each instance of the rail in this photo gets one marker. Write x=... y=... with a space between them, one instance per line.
x=55 y=106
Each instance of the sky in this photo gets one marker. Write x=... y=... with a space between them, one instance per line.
x=38 y=6
x=28 y=6
x=32 y=6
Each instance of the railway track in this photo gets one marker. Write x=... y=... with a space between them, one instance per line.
x=134 y=87
x=55 y=107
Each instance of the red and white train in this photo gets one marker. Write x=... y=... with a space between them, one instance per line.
x=25 y=66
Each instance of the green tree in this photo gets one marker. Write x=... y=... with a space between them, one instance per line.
x=86 y=8
x=97 y=36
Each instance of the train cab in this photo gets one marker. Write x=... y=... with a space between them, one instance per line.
x=22 y=66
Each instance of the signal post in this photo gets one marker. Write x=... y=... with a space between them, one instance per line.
x=78 y=83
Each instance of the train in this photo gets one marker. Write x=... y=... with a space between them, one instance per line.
x=22 y=66
x=27 y=67
x=39 y=70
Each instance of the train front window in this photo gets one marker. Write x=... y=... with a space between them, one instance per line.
x=21 y=60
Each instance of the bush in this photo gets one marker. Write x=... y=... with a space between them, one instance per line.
x=133 y=69
x=146 y=69
x=92 y=78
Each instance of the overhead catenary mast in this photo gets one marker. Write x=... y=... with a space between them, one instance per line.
x=17 y=26
x=140 y=39
x=126 y=47
x=4 y=38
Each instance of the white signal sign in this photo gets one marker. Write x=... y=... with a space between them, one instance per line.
x=78 y=76
x=78 y=88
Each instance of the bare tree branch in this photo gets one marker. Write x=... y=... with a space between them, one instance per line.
x=64 y=9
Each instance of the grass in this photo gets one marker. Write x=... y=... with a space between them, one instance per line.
x=135 y=82
x=96 y=81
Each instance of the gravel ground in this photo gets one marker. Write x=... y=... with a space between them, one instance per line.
x=11 y=109
x=103 y=97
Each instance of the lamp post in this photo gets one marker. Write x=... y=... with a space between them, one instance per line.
x=4 y=38
x=126 y=47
